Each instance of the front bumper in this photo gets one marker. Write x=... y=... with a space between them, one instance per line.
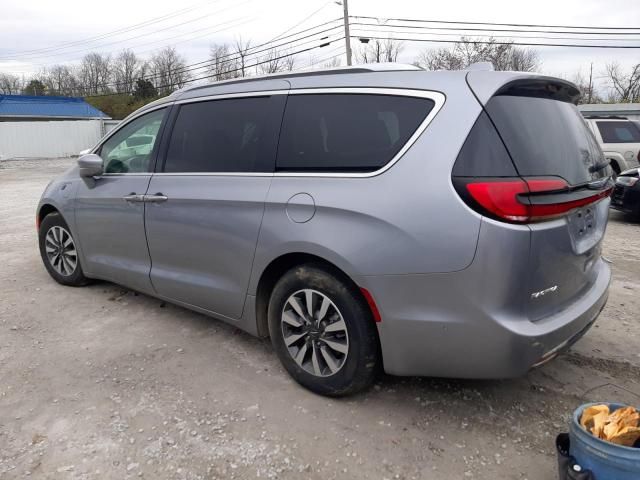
x=626 y=199
x=432 y=326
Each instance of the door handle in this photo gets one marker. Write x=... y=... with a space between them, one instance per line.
x=157 y=198
x=133 y=198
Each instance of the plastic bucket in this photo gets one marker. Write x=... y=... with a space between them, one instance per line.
x=606 y=460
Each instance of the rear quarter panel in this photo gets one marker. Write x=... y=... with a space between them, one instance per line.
x=406 y=220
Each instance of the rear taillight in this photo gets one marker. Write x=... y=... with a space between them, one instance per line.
x=525 y=200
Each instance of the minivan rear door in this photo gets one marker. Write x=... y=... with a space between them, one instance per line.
x=550 y=145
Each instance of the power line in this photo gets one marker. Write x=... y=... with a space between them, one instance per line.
x=440 y=34
x=252 y=52
x=137 y=36
x=301 y=21
x=226 y=58
x=479 y=42
x=498 y=24
x=228 y=25
x=469 y=29
x=206 y=77
x=152 y=21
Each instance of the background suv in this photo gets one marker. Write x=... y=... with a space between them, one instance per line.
x=363 y=219
x=619 y=139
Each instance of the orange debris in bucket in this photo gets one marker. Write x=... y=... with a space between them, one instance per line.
x=622 y=426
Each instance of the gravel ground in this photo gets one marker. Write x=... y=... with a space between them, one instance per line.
x=100 y=382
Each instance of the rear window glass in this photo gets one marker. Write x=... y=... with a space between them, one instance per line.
x=619 y=132
x=347 y=132
x=547 y=137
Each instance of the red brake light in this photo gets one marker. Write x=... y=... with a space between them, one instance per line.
x=501 y=198
x=509 y=199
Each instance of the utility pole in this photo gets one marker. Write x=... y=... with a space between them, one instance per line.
x=347 y=36
x=590 y=82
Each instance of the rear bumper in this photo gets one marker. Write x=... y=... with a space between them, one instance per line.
x=439 y=325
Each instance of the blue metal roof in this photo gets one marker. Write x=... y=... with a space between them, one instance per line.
x=46 y=106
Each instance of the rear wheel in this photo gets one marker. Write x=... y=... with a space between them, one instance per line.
x=323 y=332
x=59 y=253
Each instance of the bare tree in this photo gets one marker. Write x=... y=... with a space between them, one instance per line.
x=271 y=62
x=241 y=49
x=222 y=65
x=95 y=73
x=333 y=63
x=441 y=59
x=169 y=70
x=60 y=80
x=10 y=84
x=126 y=70
x=289 y=62
x=371 y=53
x=380 y=51
x=523 y=60
x=588 y=91
x=503 y=56
x=624 y=87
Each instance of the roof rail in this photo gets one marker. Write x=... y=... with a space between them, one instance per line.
x=369 y=67
x=605 y=117
x=480 y=66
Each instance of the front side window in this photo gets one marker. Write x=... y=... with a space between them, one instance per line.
x=129 y=149
x=347 y=132
x=619 y=132
x=230 y=135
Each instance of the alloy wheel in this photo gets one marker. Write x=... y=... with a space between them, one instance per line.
x=61 y=251
x=315 y=333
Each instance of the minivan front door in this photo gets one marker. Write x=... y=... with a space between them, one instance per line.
x=205 y=208
x=110 y=209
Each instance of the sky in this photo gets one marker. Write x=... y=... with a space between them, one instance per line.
x=39 y=33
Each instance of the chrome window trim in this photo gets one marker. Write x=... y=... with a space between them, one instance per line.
x=224 y=96
x=437 y=97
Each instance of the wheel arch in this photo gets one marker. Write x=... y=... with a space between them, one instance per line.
x=278 y=267
x=44 y=210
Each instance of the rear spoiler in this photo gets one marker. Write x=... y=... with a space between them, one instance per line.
x=485 y=85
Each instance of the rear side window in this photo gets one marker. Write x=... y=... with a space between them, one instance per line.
x=233 y=135
x=619 y=132
x=483 y=153
x=347 y=132
x=547 y=138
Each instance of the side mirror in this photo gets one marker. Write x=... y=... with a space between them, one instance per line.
x=91 y=165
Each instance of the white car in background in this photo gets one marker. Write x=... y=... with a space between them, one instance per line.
x=619 y=139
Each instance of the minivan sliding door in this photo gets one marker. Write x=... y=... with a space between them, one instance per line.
x=205 y=207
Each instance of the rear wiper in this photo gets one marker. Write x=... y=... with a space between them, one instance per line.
x=599 y=166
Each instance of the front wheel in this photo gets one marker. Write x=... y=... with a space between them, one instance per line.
x=59 y=253
x=323 y=332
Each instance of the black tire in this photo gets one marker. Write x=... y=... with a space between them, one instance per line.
x=74 y=277
x=615 y=170
x=361 y=362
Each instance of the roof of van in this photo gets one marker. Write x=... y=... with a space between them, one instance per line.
x=481 y=78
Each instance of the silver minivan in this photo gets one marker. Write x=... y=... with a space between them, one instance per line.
x=421 y=223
